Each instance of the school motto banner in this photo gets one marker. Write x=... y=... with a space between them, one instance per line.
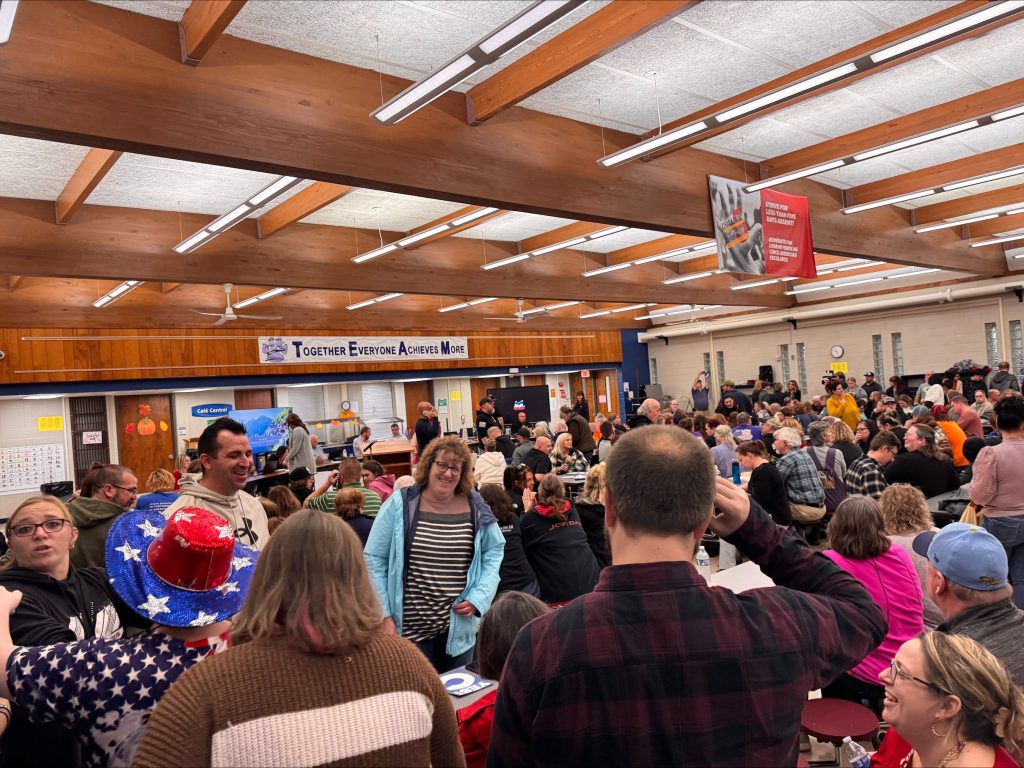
x=761 y=233
x=281 y=350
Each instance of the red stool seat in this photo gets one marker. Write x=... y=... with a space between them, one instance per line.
x=832 y=719
x=801 y=763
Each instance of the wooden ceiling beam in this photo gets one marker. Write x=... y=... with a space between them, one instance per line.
x=14 y=281
x=452 y=230
x=993 y=161
x=313 y=122
x=87 y=176
x=110 y=243
x=299 y=206
x=168 y=287
x=951 y=113
x=598 y=34
x=999 y=226
x=203 y=22
x=818 y=67
x=965 y=206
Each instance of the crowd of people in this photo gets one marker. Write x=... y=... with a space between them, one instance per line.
x=198 y=624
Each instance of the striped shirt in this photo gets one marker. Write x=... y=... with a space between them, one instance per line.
x=435 y=577
x=325 y=501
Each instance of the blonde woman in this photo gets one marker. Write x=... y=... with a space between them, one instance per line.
x=161 y=493
x=724 y=452
x=565 y=458
x=906 y=514
x=590 y=506
x=950 y=703
x=310 y=657
x=839 y=435
x=790 y=423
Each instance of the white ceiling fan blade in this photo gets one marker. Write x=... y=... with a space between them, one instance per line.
x=223 y=319
x=261 y=317
x=211 y=314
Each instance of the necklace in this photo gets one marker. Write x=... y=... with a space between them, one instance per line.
x=954 y=753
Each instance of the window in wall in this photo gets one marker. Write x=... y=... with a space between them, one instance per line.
x=1016 y=347
x=784 y=363
x=992 y=344
x=801 y=365
x=721 y=366
x=876 y=349
x=897 y=354
x=707 y=367
x=654 y=370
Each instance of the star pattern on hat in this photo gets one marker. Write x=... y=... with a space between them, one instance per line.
x=240 y=562
x=203 y=619
x=228 y=587
x=149 y=530
x=129 y=552
x=225 y=531
x=155 y=605
x=183 y=516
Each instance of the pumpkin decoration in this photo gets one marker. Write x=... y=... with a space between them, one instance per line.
x=146 y=425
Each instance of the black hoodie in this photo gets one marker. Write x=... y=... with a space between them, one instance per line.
x=51 y=611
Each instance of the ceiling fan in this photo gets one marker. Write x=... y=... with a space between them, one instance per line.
x=519 y=316
x=229 y=312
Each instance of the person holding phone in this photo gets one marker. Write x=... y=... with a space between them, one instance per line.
x=428 y=428
x=349 y=474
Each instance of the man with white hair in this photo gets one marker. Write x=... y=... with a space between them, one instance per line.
x=502 y=441
x=803 y=484
x=648 y=413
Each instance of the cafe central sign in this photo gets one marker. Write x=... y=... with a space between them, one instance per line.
x=282 y=350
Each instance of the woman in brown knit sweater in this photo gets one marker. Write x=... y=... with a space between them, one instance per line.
x=312 y=679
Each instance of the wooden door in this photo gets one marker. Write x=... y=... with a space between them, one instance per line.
x=145 y=433
x=416 y=392
x=533 y=380
x=478 y=389
x=246 y=399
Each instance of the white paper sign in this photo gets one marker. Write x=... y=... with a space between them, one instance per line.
x=283 y=350
x=92 y=438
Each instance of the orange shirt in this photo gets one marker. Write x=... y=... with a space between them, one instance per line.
x=956 y=437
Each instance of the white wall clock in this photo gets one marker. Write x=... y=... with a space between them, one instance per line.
x=837 y=351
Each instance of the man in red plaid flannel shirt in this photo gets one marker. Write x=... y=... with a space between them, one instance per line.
x=654 y=667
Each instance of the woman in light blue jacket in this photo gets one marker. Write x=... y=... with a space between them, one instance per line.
x=434 y=554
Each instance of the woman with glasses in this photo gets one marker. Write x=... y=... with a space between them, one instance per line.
x=434 y=556
x=950 y=703
x=60 y=604
x=865 y=433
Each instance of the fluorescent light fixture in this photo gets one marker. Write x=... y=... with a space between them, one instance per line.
x=949 y=130
x=685 y=278
x=612 y=268
x=862 y=265
x=982 y=179
x=888 y=201
x=551 y=307
x=116 y=293
x=659 y=257
x=375 y=300
x=925 y=271
x=496 y=44
x=472 y=216
x=1007 y=114
x=506 y=262
x=810 y=289
x=595 y=314
x=558 y=246
x=1015 y=211
x=994 y=240
x=801 y=174
x=631 y=307
x=606 y=232
x=859 y=282
x=465 y=304
x=8 y=8
x=260 y=297
x=987 y=13
x=755 y=284
x=784 y=93
x=652 y=144
x=474 y=302
x=277 y=187
x=958 y=222
x=375 y=253
x=41 y=397
x=407 y=241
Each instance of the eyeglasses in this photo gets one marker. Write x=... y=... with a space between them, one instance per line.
x=895 y=670
x=132 y=491
x=25 y=530
x=442 y=468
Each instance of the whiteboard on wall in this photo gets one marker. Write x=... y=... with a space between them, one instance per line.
x=377 y=404
x=307 y=402
x=26 y=467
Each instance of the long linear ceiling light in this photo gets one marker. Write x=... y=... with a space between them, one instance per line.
x=408 y=240
x=496 y=44
x=954 y=185
x=970 y=220
x=758 y=283
x=679 y=311
x=649 y=259
x=231 y=218
x=260 y=297
x=550 y=307
x=615 y=311
x=465 y=304
x=693 y=276
x=994 y=240
x=374 y=300
x=916 y=271
x=989 y=12
x=8 y=8
x=554 y=247
x=885 y=149
x=116 y=293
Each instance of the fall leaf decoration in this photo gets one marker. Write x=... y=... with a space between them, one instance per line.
x=146 y=425
x=163 y=426
x=129 y=429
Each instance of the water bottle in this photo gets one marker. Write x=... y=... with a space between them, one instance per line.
x=854 y=754
x=736 y=472
x=703 y=563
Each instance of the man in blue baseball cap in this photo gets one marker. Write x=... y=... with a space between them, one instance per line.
x=967 y=570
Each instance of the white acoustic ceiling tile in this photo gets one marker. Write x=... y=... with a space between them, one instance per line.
x=169 y=10
x=489 y=14
x=927 y=155
x=994 y=136
x=620 y=240
x=897 y=13
x=834 y=114
x=515 y=227
x=763 y=137
x=368 y=209
x=625 y=98
x=796 y=31
x=916 y=85
x=139 y=181
x=861 y=173
x=35 y=169
x=995 y=58
x=693 y=62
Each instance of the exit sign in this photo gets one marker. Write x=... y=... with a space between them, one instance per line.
x=585 y=374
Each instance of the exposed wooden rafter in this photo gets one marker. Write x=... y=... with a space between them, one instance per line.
x=168 y=287
x=965 y=206
x=299 y=206
x=603 y=31
x=998 y=226
x=202 y=23
x=87 y=176
x=13 y=281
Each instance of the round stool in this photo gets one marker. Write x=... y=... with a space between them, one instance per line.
x=831 y=720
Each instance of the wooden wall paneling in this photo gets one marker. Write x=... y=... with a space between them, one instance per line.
x=253 y=398
x=415 y=392
x=478 y=388
x=142 y=444
x=533 y=380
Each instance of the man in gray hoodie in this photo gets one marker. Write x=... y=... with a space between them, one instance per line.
x=226 y=456
x=1003 y=379
x=109 y=492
